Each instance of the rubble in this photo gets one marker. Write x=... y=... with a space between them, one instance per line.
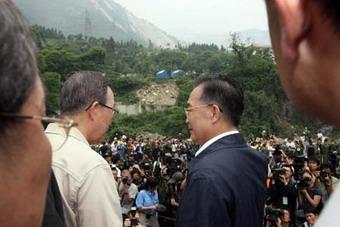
x=164 y=94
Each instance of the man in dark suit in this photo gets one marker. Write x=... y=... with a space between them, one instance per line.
x=226 y=182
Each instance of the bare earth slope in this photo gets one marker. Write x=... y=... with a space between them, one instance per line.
x=164 y=94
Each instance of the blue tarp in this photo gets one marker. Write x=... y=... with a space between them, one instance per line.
x=162 y=74
x=177 y=72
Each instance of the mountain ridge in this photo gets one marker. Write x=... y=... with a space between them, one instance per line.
x=97 y=18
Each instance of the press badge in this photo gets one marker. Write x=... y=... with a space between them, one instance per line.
x=284 y=200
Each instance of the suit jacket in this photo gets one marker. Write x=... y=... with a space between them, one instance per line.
x=226 y=186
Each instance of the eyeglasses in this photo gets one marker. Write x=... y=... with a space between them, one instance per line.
x=189 y=109
x=64 y=123
x=113 y=109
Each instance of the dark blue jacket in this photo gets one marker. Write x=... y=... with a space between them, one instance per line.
x=226 y=186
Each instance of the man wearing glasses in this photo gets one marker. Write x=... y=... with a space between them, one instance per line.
x=85 y=180
x=226 y=181
x=305 y=36
x=25 y=153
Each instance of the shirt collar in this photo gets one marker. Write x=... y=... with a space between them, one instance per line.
x=53 y=128
x=214 y=139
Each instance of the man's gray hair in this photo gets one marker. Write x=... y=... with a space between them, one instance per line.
x=81 y=89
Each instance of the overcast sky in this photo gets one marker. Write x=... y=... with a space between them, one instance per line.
x=206 y=17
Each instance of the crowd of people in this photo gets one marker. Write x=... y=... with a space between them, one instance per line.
x=139 y=165
x=54 y=177
x=303 y=172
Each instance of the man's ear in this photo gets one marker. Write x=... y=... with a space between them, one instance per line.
x=294 y=18
x=92 y=110
x=216 y=113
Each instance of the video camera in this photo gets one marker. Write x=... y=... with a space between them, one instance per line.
x=134 y=220
x=272 y=214
x=277 y=172
x=302 y=184
x=126 y=180
x=299 y=164
x=323 y=174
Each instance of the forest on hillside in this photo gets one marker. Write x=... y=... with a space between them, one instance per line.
x=267 y=108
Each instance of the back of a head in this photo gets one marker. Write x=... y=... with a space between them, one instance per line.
x=24 y=182
x=151 y=183
x=224 y=91
x=18 y=67
x=176 y=177
x=81 y=89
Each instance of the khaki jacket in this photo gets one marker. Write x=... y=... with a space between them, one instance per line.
x=85 y=180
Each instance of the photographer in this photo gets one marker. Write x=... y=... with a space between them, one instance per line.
x=147 y=203
x=282 y=191
x=309 y=193
x=138 y=178
x=278 y=157
x=146 y=167
x=127 y=192
x=173 y=192
x=284 y=219
x=278 y=218
x=327 y=182
x=314 y=166
x=133 y=219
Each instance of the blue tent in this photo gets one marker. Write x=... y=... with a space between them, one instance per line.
x=162 y=74
x=177 y=72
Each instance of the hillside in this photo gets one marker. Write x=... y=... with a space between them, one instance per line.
x=266 y=107
x=97 y=18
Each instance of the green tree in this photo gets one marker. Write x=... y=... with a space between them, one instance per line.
x=261 y=113
x=52 y=83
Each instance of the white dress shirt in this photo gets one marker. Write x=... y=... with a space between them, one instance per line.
x=85 y=180
x=214 y=139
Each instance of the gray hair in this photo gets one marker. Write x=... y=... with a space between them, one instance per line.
x=81 y=89
x=18 y=66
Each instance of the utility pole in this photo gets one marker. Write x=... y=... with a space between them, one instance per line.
x=88 y=24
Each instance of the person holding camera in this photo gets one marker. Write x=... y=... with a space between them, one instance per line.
x=147 y=203
x=309 y=193
x=282 y=191
x=284 y=220
x=327 y=182
x=173 y=192
x=138 y=177
x=314 y=166
x=133 y=219
x=127 y=191
x=277 y=217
